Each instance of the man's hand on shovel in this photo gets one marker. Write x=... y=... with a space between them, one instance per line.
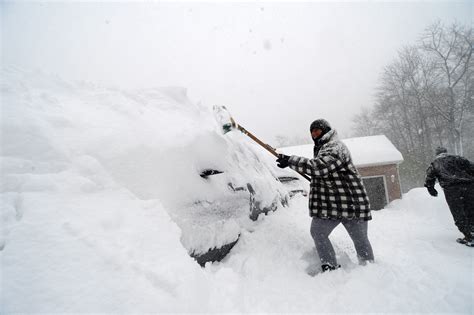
x=282 y=160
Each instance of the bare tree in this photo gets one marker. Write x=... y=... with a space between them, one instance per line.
x=425 y=99
x=365 y=124
x=450 y=49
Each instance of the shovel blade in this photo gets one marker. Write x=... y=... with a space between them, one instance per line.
x=223 y=118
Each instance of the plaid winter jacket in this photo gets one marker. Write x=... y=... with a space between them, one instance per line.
x=336 y=189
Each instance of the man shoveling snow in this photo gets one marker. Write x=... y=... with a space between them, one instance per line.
x=337 y=195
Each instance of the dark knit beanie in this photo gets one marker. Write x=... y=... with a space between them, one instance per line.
x=320 y=124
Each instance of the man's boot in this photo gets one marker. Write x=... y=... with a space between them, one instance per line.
x=469 y=241
x=328 y=267
x=467 y=237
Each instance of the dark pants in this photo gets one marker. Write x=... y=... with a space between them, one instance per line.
x=357 y=229
x=460 y=199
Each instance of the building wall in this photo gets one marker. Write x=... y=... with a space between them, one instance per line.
x=392 y=178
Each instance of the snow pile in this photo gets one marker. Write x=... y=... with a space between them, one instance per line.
x=75 y=251
x=82 y=233
x=72 y=238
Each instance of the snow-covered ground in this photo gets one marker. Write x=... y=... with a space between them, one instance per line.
x=78 y=235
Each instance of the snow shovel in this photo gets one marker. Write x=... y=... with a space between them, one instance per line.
x=228 y=123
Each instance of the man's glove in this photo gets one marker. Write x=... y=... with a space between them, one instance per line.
x=282 y=160
x=432 y=191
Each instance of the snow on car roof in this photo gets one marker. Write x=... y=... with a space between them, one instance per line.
x=365 y=151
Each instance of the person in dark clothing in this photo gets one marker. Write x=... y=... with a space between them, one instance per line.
x=337 y=194
x=455 y=175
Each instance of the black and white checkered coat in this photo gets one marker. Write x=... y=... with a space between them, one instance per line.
x=336 y=189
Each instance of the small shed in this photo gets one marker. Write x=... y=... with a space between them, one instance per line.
x=376 y=159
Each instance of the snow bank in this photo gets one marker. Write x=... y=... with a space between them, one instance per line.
x=70 y=252
x=73 y=240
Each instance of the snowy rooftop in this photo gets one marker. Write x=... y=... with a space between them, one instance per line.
x=365 y=151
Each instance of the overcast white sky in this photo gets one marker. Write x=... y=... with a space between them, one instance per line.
x=276 y=65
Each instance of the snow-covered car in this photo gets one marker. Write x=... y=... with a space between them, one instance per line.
x=294 y=184
x=228 y=184
x=154 y=143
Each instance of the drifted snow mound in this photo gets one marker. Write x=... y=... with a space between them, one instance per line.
x=72 y=239
x=152 y=142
